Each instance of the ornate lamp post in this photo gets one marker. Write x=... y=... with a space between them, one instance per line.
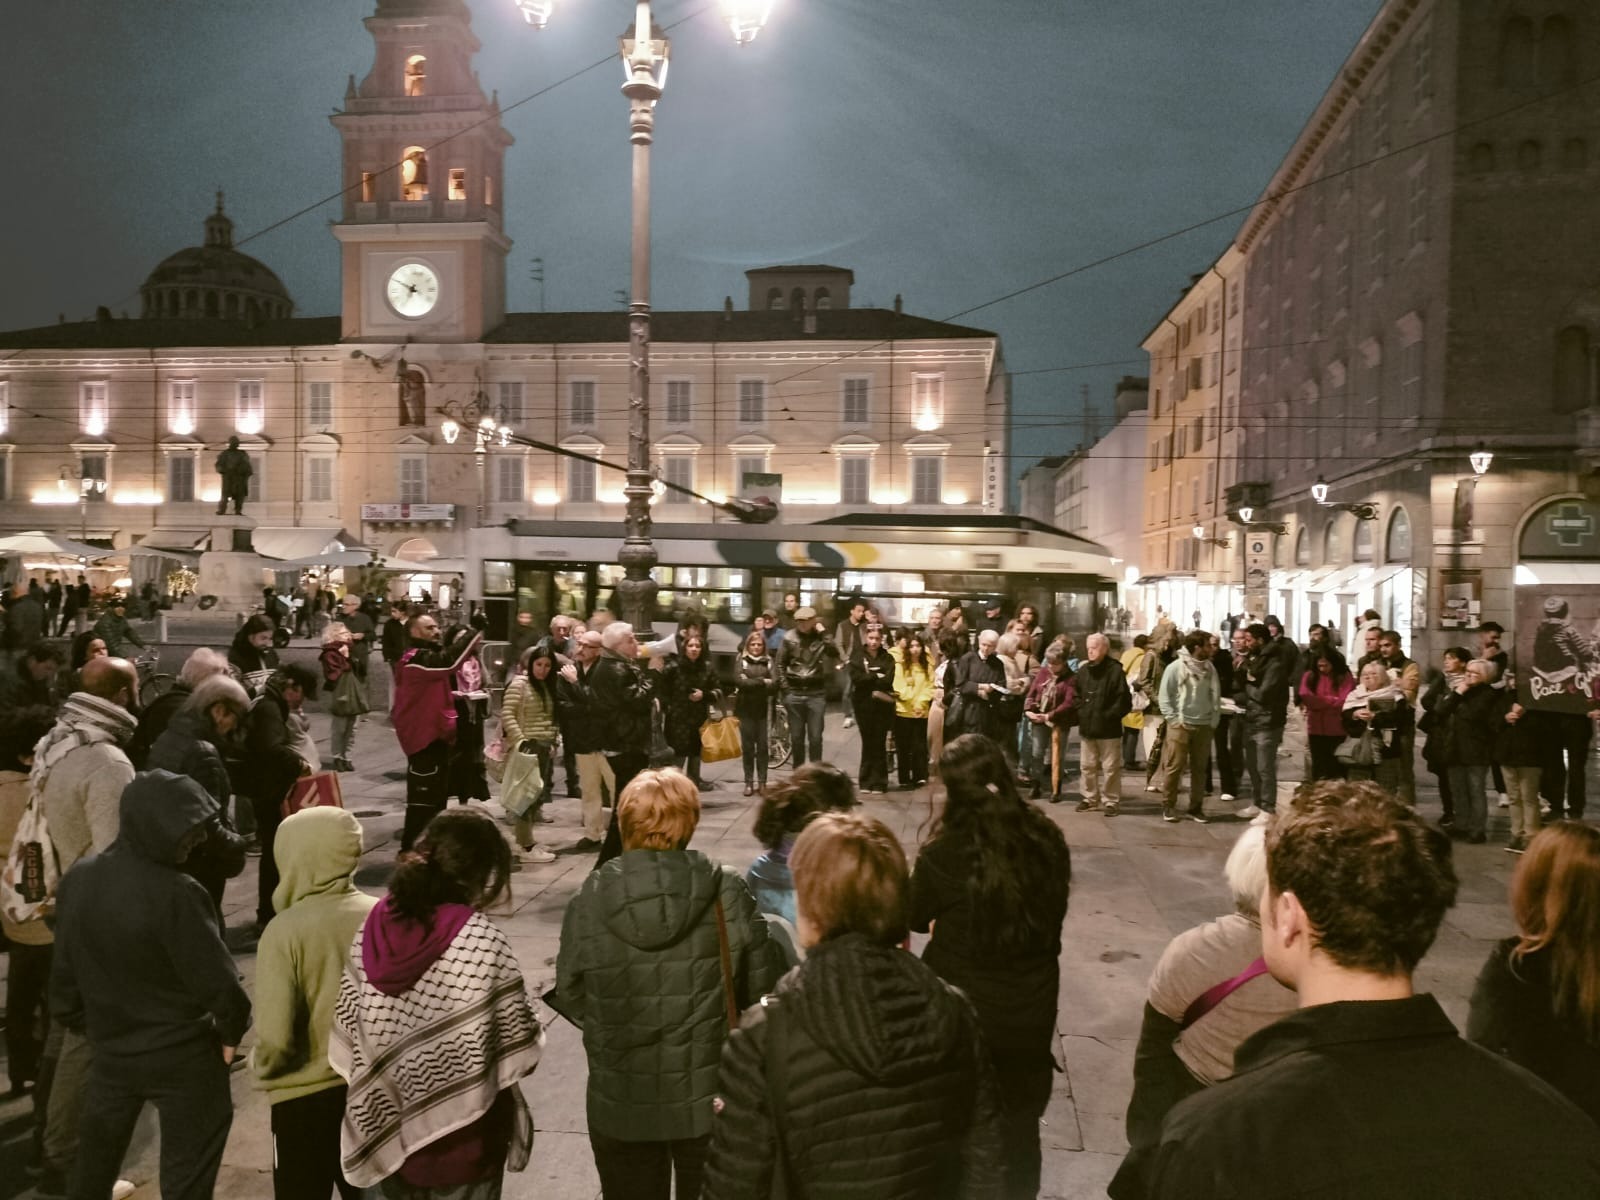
x=88 y=485
x=645 y=53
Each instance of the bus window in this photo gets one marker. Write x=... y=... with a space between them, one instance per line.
x=572 y=592
x=816 y=591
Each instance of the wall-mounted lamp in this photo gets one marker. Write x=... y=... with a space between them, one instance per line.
x=1481 y=458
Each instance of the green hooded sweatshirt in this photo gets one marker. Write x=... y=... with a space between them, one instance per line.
x=303 y=951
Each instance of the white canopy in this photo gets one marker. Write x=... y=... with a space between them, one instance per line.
x=37 y=543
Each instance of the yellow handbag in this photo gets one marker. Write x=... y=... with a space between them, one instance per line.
x=719 y=740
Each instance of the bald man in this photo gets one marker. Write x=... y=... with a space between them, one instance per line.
x=80 y=770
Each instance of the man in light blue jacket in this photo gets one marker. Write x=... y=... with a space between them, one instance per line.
x=1191 y=703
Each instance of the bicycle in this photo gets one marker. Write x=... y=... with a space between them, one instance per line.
x=153 y=682
x=779 y=746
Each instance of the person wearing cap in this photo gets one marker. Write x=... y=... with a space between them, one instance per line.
x=771 y=632
x=993 y=615
x=806 y=658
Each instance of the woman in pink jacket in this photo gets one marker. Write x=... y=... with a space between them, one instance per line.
x=1322 y=691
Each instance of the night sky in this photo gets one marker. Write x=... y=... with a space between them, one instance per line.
x=951 y=152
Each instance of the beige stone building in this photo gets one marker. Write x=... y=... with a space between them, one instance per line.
x=1420 y=276
x=858 y=410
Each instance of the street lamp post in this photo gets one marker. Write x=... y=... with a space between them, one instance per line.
x=88 y=485
x=645 y=53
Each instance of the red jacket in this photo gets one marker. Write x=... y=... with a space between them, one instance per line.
x=1052 y=695
x=1323 y=697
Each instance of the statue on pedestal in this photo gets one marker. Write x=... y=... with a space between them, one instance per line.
x=233 y=464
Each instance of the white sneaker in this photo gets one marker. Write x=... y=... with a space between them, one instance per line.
x=535 y=854
x=1153 y=787
x=1249 y=812
x=1504 y=802
x=849 y=722
x=122 y=1189
x=1227 y=797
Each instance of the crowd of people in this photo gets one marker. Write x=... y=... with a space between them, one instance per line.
x=770 y=1031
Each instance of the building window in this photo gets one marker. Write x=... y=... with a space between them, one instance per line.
x=927 y=479
x=1558 y=54
x=488 y=190
x=416 y=75
x=747 y=464
x=1481 y=158
x=414 y=174
x=5 y=407
x=509 y=396
x=180 y=478
x=580 y=482
x=5 y=476
x=677 y=469
x=580 y=404
x=1314 y=302
x=1422 y=65
x=413 y=479
x=319 y=404
x=319 y=479
x=1302 y=547
x=257 y=477
x=92 y=467
x=250 y=412
x=855 y=479
x=856 y=411
x=508 y=478
x=458 y=183
x=752 y=401
x=1530 y=154
x=181 y=406
x=1333 y=544
x=1516 y=53
x=680 y=402
x=1417 y=205
x=93 y=407
x=1397 y=545
x=927 y=402
x=1361 y=544
x=1373 y=395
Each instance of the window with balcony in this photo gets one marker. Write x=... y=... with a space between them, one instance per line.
x=752 y=402
x=93 y=407
x=319 y=404
x=181 y=406
x=580 y=482
x=855 y=479
x=581 y=412
x=413 y=479
x=927 y=479
x=927 y=402
x=94 y=472
x=677 y=469
x=509 y=478
x=319 y=479
x=250 y=408
x=855 y=402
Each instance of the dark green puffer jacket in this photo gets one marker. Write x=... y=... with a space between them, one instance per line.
x=639 y=968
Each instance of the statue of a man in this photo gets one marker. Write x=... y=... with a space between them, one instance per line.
x=233 y=464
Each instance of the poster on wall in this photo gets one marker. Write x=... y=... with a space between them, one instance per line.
x=1558 y=646
x=1460 y=598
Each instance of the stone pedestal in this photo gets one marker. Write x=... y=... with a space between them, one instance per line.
x=231 y=569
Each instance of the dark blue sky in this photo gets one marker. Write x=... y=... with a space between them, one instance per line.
x=951 y=152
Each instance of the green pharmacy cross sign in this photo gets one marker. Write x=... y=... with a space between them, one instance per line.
x=1570 y=526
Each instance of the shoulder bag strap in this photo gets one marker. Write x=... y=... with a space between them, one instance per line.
x=1215 y=996
x=727 y=965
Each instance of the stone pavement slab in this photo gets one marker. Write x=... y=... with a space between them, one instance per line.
x=1136 y=881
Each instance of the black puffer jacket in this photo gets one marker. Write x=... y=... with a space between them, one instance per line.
x=620 y=695
x=1474 y=718
x=683 y=716
x=188 y=746
x=884 y=1086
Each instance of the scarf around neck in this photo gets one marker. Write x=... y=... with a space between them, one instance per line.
x=84 y=720
x=1360 y=696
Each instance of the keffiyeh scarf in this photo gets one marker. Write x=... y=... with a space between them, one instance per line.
x=84 y=720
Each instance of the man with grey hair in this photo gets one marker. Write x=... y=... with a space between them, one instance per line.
x=620 y=696
x=1103 y=699
x=154 y=718
x=977 y=680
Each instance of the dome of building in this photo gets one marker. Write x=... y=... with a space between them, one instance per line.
x=215 y=282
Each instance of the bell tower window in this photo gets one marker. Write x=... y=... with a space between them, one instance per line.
x=369 y=187
x=458 y=183
x=414 y=174
x=417 y=75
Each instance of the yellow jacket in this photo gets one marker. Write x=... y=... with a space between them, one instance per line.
x=913 y=691
x=1131 y=658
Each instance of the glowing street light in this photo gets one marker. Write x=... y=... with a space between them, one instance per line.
x=1481 y=458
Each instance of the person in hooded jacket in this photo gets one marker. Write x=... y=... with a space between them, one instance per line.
x=190 y=745
x=141 y=967
x=640 y=970
x=991 y=885
x=299 y=964
x=865 y=1074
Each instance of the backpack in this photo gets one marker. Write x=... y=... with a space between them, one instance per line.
x=32 y=871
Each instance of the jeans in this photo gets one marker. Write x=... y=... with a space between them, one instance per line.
x=1262 y=759
x=1562 y=782
x=189 y=1087
x=1522 y=785
x=305 y=1147
x=1101 y=760
x=522 y=828
x=1036 y=745
x=805 y=725
x=427 y=790
x=645 y=1170
x=753 y=734
x=344 y=734
x=269 y=815
x=27 y=998
x=1187 y=745
x=689 y=764
x=69 y=1084
x=911 y=750
x=1472 y=804
x=624 y=767
x=599 y=788
x=873 y=719
x=1225 y=754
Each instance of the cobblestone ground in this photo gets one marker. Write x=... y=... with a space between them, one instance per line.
x=1136 y=882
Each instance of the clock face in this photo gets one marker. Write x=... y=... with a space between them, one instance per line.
x=413 y=289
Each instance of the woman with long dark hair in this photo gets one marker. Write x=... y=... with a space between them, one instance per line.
x=1538 y=997
x=913 y=697
x=689 y=687
x=251 y=656
x=1322 y=691
x=991 y=882
x=433 y=1029
x=528 y=726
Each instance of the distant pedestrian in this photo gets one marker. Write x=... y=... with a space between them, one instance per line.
x=913 y=691
x=755 y=678
x=1100 y=700
x=806 y=660
x=1191 y=706
x=622 y=696
x=336 y=664
x=424 y=716
x=872 y=673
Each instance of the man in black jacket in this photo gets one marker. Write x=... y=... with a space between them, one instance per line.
x=1266 y=712
x=1103 y=699
x=581 y=735
x=139 y=965
x=978 y=682
x=620 y=697
x=1367 y=1089
x=271 y=766
x=805 y=660
x=872 y=682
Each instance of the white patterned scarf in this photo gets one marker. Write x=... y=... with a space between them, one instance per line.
x=84 y=720
x=434 y=1058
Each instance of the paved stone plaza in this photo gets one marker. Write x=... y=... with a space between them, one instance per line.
x=1136 y=882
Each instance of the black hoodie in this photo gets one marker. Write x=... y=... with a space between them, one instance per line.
x=139 y=963
x=885 y=1086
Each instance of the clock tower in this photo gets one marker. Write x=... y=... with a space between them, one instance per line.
x=421 y=228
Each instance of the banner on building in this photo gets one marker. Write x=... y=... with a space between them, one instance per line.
x=993 y=486
x=1257 y=572
x=1558 y=646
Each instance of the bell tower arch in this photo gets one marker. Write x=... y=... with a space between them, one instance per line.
x=421 y=220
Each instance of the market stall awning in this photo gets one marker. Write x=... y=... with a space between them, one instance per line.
x=294 y=542
x=1389 y=570
x=330 y=558
x=38 y=544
